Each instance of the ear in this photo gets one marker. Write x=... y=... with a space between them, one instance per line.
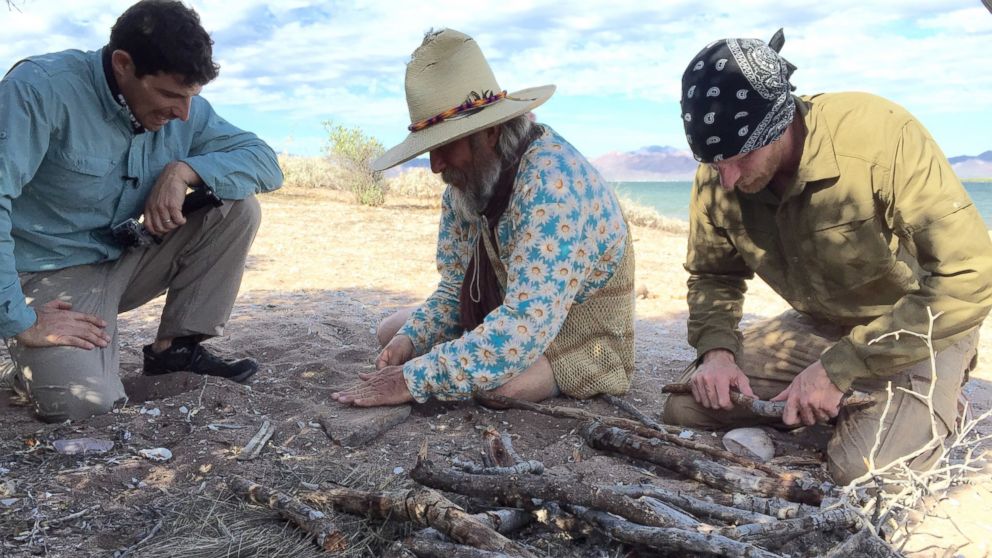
x=491 y=135
x=122 y=64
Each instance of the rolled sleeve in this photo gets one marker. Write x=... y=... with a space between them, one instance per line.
x=936 y=220
x=233 y=163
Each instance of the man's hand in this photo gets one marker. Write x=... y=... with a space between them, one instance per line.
x=383 y=387
x=57 y=325
x=398 y=351
x=164 y=206
x=715 y=376
x=811 y=397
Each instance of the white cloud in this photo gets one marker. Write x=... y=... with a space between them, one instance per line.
x=345 y=60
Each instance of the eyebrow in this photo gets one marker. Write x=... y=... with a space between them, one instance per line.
x=173 y=94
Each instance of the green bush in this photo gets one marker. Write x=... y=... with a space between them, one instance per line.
x=353 y=151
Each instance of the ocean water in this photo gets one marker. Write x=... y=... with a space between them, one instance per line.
x=671 y=199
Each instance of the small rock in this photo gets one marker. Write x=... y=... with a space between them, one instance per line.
x=184 y=410
x=156 y=454
x=398 y=471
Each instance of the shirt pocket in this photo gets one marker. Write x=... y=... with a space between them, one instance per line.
x=76 y=179
x=851 y=254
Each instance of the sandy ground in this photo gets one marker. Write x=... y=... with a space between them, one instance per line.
x=321 y=275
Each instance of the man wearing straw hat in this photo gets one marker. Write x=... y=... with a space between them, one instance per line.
x=845 y=206
x=537 y=265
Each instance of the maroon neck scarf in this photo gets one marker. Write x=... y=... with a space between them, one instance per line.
x=490 y=293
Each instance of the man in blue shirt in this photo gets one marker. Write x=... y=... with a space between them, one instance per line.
x=89 y=140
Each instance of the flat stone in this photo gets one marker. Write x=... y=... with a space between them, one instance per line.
x=356 y=426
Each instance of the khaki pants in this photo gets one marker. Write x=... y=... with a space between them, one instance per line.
x=778 y=349
x=200 y=265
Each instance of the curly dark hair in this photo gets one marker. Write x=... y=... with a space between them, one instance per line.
x=164 y=36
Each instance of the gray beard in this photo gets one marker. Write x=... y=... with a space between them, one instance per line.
x=472 y=191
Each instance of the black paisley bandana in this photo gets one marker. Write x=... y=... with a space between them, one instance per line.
x=736 y=97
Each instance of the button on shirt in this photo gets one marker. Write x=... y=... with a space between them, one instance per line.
x=71 y=168
x=875 y=229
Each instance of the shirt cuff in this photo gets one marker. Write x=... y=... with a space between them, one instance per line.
x=730 y=341
x=419 y=343
x=17 y=321
x=843 y=365
x=414 y=374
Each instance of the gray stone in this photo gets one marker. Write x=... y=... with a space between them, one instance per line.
x=356 y=426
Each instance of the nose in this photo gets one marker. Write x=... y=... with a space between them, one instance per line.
x=181 y=111
x=437 y=161
x=729 y=175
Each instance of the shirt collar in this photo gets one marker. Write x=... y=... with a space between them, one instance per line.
x=819 y=160
x=101 y=79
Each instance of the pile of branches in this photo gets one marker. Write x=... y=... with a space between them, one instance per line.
x=754 y=510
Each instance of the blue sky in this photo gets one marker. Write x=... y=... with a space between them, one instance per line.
x=287 y=66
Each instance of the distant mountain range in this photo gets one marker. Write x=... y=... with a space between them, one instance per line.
x=660 y=163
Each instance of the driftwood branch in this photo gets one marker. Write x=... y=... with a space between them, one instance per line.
x=761 y=533
x=429 y=548
x=499 y=458
x=695 y=506
x=775 y=507
x=423 y=507
x=497 y=449
x=522 y=491
x=630 y=409
x=667 y=433
x=670 y=541
x=303 y=516
x=774 y=409
x=864 y=544
x=602 y=437
x=524 y=467
x=254 y=446
x=562 y=412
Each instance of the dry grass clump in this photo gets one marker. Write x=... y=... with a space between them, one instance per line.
x=645 y=216
x=420 y=184
x=309 y=172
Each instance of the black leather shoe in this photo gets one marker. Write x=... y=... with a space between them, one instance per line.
x=190 y=356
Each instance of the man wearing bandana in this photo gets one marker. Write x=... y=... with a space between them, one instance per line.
x=846 y=207
x=88 y=141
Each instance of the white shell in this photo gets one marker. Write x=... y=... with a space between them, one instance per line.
x=157 y=454
x=753 y=443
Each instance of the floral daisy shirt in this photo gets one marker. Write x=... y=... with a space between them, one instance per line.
x=560 y=239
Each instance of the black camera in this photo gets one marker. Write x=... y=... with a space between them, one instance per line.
x=133 y=233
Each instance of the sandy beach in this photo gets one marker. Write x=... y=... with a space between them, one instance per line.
x=322 y=273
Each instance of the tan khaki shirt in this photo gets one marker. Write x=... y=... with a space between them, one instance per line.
x=875 y=230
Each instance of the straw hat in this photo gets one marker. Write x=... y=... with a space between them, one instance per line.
x=452 y=93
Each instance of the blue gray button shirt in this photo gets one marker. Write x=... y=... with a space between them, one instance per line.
x=71 y=167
